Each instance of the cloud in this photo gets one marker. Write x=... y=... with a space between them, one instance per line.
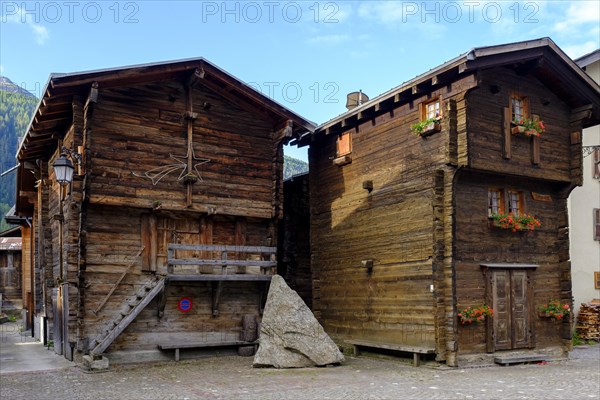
x=40 y=33
x=578 y=50
x=18 y=15
x=329 y=39
x=406 y=16
x=383 y=11
x=581 y=12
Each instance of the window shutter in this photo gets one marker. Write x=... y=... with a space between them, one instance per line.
x=506 y=131
x=596 y=223
x=344 y=144
x=596 y=163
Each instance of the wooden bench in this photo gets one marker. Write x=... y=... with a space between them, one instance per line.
x=508 y=359
x=194 y=345
x=417 y=351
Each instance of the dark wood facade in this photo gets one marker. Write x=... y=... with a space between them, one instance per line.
x=176 y=153
x=401 y=237
x=294 y=237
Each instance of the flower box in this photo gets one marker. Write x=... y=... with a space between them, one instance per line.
x=431 y=129
x=528 y=127
x=555 y=310
x=427 y=127
x=475 y=315
x=515 y=223
x=517 y=129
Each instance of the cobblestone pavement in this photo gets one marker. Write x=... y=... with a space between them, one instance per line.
x=233 y=377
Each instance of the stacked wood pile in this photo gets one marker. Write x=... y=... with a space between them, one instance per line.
x=588 y=321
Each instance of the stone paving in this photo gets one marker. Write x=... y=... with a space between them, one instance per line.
x=233 y=377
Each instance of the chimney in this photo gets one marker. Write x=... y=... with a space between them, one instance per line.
x=355 y=99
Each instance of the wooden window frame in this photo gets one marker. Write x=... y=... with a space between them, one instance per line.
x=423 y=114
x=520 y=202
x=596 y=280
x=525 y=113
x=500 y=196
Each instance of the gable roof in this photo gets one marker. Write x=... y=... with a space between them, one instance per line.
x=540 y=56
x=53 y=114
x=588 y=59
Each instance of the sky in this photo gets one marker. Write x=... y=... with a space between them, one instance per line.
x=306 y=55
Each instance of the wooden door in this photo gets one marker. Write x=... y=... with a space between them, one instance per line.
x=511 y=326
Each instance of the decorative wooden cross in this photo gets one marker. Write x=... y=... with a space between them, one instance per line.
x=188 y=163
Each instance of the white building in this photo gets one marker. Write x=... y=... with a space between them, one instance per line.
x=584 y=208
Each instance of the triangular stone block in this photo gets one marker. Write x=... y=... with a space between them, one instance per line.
x=290 y=335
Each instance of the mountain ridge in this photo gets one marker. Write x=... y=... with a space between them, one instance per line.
x=9 y=86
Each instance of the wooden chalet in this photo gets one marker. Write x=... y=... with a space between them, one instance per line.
x=11 y=274
x=403 y=237
x=166 y=237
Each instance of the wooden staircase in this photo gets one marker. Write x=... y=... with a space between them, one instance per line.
x=133 y=307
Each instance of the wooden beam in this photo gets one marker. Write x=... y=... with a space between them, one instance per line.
x=92 y=95
x=202 y=261
x=366 y=113
x=229 y=248
x=581 y=113
x=284 y=130
x=210 y=277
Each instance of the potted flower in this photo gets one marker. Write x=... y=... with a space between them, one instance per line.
x=516 y=223
x=528 y=127
x=555 y=310
x=429 y=125
x=476 y=315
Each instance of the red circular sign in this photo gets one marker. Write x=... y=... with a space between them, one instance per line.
x=185 y=304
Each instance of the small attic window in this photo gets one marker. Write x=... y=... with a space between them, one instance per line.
x=430 y=115
x=519 y=106
x=432 y=110
x=343 y=149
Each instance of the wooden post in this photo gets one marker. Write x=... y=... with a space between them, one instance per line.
x=190 y=150
x=506 y=131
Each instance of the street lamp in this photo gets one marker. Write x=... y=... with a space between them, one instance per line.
x=63 y=169
x=63 y=173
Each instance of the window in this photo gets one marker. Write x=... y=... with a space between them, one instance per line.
x=515 y=203
x=519 y=106
x=597 y=280
x=432 y=109
x=495 y=202
x=343 y=145
x=596 y=223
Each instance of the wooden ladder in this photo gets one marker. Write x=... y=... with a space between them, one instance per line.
x=122 y=320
